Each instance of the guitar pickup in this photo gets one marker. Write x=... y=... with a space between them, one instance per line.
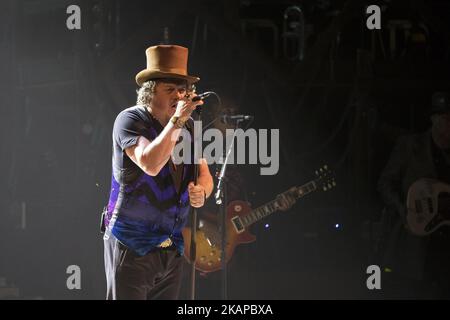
x=237 y=224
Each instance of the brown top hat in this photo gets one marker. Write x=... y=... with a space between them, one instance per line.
x=165 y=61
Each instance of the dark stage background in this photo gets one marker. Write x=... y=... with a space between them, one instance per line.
x=341 y=100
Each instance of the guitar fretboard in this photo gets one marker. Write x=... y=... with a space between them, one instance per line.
x=272 y=206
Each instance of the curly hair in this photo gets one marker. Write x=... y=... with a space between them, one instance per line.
x=145 y=93
x=147 y=90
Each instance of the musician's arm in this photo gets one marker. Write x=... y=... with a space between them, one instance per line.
x=204 y=177
x=202 y=190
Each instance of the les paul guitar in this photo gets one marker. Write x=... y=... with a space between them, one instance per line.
x=428 y=205
x=239 y=217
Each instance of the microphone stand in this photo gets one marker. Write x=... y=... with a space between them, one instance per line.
x=221 y=200
x=194 y=222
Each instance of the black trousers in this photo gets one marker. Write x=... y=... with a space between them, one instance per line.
x=129 y=276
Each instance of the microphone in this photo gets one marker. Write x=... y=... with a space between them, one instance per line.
x=238 y=117
x=202 y=96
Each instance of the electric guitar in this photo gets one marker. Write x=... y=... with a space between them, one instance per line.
x=428 y=206
x=239 y=217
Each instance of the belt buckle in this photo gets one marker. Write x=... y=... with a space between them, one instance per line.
x=166 y=243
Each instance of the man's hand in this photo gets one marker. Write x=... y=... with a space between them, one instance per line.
x=196 y=195
x=186 y=106
x=286 y=200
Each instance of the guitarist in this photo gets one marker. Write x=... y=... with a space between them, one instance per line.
x=420 y=265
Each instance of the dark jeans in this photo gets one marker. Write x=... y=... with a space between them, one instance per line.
x=157 y=275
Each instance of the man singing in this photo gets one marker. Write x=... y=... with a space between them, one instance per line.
x=150 y=195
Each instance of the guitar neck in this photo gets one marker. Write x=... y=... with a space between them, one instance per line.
x=272 y=206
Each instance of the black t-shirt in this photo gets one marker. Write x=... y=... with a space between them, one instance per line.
x=145 y=210
x=130 y=124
